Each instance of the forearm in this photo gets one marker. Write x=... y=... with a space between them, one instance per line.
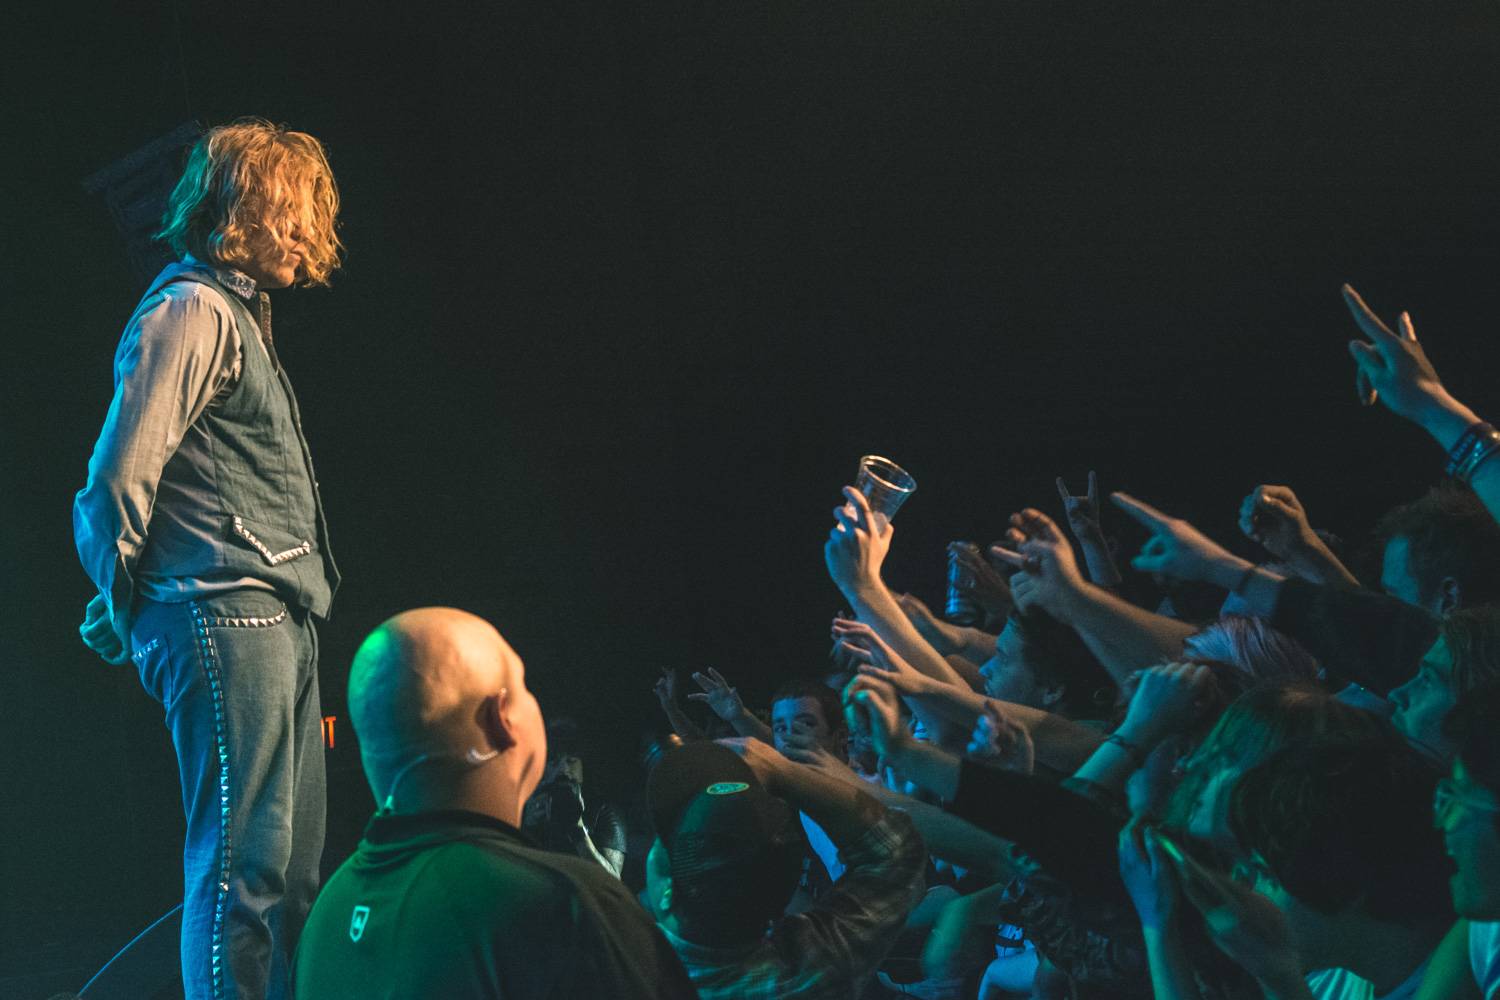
x=928 y=767
x=973 y=644
x=1096 y=559
x=1171 y=973
x=952 y=839
x=968 y=670
x=874 y=605
x=947 y=711
x=1113 y=762
x=1123 y=637
x=1357 y=635
x=746 y=724
x=843 y=809
x=1315 y=562
x=1061 y=743
x=682 y=725
x=1071 y=836
x=1446 y=419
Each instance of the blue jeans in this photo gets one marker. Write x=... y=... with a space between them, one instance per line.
x=237 y=676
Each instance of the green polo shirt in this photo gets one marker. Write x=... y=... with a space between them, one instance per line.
x=459 y=905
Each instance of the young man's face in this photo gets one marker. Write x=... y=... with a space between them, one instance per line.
x=1467 y=820
x=1422 y=702
x=804 y=714
x=1007 y=674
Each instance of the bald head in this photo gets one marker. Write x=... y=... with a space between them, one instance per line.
x=435 y=682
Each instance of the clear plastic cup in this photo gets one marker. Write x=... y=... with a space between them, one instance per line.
x=885 y=484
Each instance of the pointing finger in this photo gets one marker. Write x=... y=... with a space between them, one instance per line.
x=1143 y=513
x=1365 y=317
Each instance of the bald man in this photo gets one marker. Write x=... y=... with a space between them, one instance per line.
x=445 y=897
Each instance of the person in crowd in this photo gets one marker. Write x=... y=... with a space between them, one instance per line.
x=445 y=897
x=725 y=865
x=1349 y=896
x=557 y=816
x=202 y=530
x=1441 y=552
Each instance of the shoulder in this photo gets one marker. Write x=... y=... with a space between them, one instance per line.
x=184 y=315
x=186 y=299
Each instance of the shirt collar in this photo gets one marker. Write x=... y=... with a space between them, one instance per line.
x=236 y=281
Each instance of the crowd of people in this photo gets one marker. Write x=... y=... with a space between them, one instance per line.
x=1083 y=789
x=1209 y=778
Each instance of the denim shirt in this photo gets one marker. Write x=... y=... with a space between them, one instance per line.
x=162 y=454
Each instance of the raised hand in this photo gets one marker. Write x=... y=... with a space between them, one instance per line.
x=1392 y=367
x=1167 y=699
x=1177 y=549
x=872 y=709
x=1049 y=574
x=723 y=700
x=857 y=546
x=1148 y=875
x=875 y=657
x=102 y=634
x=803 y=747
x=1273 y=516
x=1082 y=511
x=666 y=687
x=982 y=581
x=1000 y=741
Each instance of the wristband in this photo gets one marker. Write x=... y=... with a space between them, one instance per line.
x=1474 y=447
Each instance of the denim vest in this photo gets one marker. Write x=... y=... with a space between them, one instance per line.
x=238 y=498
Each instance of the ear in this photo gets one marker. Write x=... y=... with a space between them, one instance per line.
x=494 y=720
x=1450 y=594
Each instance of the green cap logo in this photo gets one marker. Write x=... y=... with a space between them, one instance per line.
x=727 y=788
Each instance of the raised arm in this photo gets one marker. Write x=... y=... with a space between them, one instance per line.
x=1123 y=637
x=1084 y=521
x=1393 y=368
x=1273 y=516
x=666 y=695
x=725 y=702
x=948 y=639
x=855 y=551
x=1060 y=743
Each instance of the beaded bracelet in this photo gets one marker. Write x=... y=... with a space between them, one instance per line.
x=1474 y=447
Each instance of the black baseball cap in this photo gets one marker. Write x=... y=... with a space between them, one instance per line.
x=730 y=842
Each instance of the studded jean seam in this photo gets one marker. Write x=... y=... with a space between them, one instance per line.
x=208 y=658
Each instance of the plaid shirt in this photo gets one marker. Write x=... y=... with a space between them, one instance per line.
x=831 y=951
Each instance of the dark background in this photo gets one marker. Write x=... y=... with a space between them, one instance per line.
x=630 y=287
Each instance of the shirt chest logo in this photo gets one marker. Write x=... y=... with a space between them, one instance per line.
x=358 y=921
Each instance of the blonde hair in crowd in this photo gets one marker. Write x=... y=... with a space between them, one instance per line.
x=245 y=185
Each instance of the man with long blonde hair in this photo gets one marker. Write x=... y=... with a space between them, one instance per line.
x=202 y=529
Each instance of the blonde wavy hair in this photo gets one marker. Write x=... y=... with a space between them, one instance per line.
x=248 y=184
